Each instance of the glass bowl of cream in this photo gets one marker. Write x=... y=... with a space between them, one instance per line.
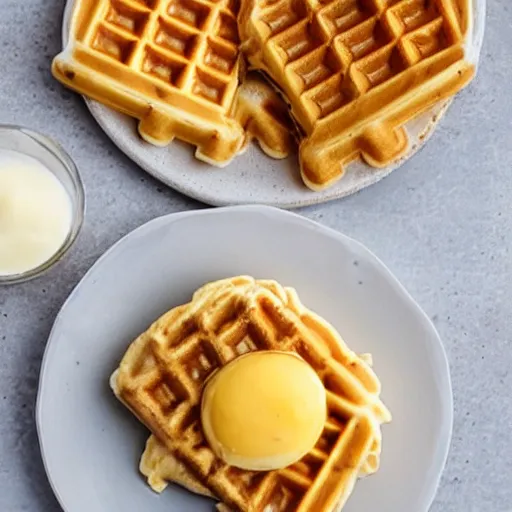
x=42 y=204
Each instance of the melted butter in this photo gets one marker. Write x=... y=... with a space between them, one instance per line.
x=264 y=410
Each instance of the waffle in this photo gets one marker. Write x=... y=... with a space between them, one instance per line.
x=265 y=117
x=161 y=467
x=161 y=375
x=172 y=64
x=355 y=71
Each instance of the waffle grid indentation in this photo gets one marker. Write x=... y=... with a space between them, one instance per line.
x=190 y=45
x=340 y=49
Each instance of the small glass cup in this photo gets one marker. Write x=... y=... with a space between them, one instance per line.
x=57 y=161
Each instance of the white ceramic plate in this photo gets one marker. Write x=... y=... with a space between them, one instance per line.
x=253 y=177
x=91 y=444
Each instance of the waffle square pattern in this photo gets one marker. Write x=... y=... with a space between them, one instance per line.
x=355 y=71
x=162 y=374
x=172 y=64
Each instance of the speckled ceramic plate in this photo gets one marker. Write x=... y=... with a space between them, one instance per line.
x=253 y=177
x=91 y=444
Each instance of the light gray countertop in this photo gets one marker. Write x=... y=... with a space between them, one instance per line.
x=442 y=223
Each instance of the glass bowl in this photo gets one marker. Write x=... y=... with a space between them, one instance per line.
x=57 y=161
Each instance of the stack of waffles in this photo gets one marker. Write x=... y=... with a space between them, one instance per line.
x=347 y=74
x=161 y=377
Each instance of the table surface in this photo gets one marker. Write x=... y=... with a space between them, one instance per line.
x=442 y=223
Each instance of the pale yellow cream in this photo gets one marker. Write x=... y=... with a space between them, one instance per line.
x=35 y=213
x=264 y=410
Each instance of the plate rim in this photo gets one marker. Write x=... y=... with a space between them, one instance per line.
x=437 y=348
x=198 y=193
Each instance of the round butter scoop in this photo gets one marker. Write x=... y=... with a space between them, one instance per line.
x=264 y=410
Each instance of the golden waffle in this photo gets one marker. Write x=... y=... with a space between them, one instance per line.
x=161 y=375
x=264 y=117
x=172 y=64
x=161 y=467
x=355 y=71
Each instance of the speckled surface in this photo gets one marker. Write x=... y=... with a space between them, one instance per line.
x=443 y=224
